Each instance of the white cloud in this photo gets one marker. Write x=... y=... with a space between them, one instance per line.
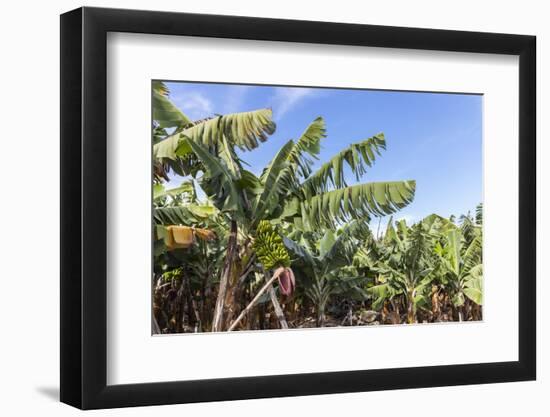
x=194 y=104
x=234 y=99
x=288 y=97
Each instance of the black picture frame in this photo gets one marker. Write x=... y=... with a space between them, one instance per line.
x=84 y=207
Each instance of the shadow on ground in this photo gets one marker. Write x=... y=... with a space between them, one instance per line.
x=50 y=392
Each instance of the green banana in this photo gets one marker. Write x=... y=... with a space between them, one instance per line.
x=269 y=247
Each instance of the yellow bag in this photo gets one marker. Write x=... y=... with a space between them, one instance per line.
x=183 y=236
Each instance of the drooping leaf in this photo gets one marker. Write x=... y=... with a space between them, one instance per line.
x=245 y=130
x=227 y=195
x=326 y=242
x=184 y=215
x=474 y=294
x=454 y=246
x=307 y=147
x=357 y=157
x=359 y=201
x=379 y=293
x=472 y=254
x=202 y=211
x=165 y=113
x=473 y=287
x=299 y=252
x=277 y=178
x=159 y=191
x=160 y=87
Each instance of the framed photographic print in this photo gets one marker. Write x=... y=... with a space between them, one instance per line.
x=256 y=208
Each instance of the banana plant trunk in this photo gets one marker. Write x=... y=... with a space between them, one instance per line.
x=460 y=313
x=411 y=313
x=277 y=307
x=234 y=297
x=231 y=253
x=321 y=316
x=252 y=303
x=436 y=306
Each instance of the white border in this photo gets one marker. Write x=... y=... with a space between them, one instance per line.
x=135 y=357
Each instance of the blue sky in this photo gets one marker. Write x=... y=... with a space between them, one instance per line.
x=433 y=138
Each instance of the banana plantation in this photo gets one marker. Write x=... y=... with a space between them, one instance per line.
x=304 y=243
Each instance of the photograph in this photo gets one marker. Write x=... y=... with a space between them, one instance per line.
x=356 y=199
x=278 y=207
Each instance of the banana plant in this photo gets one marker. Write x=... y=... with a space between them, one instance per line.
x=208 y=146
x=251 y=199
x=183 y=228
x=460 y=265
x=324 y=265
x=405 y=263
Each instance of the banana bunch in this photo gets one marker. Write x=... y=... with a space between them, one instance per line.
x=173 y=274
x=269 y=247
